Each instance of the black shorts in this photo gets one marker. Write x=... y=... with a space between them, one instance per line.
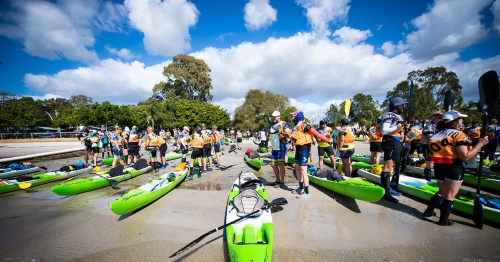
x=392 y=148
x=415 y=146
x=163 y=150
x=239 y=139
x=376 y=147
x=197 y=153
x=328 y=150
x=95 y=149
x=153 y=150
x=217 y=148
x=346 y=153
x=451 y=172
x=184 y=149
x=133 y=149
x=207 y=150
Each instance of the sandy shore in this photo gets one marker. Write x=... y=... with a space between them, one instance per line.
x=326 y=227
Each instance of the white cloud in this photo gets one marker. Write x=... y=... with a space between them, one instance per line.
x=110 y=80
x=46 y=96
x=314 y=111
x=351 y=36
x=495 y=9
x=165 y=24
x=60 y=30
x=449 y=26
x=388 y=48
x=230 y=104
x=122 y=53
x=320 y=13
x=259 y=14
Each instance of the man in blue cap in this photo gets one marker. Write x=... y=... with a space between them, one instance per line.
x=392 y=129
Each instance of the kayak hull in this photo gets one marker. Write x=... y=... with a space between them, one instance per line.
x=147 y=193
x=82 y=185
x=19 y=172
x=351 y=187
x=422 y=189
x=250 y=239
x=255 y=163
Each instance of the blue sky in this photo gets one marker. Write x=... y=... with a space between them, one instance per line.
x=315 y=52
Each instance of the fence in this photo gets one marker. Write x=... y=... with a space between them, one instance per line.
x=38 y=135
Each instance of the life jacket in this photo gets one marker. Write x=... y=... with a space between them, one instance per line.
x=206 y=136
x=299 y=137
x=475 y=132
x=393 y=119
x=153 y=140
x=348 y=138
x=378 y=126
x=216 y=137
x=490 y=131
x=282 y=126
x=372 y=134
x=160 y=141
x=182 y=138
x=442 y=146
x=197 y=141
x=428 y=129
x=327 y=132
x=133 y=138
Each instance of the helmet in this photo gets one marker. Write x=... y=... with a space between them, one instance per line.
x=344 y=121
x=276 y=113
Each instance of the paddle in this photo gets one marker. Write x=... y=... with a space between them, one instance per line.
x=116 y=171
x=449 y=100
x=347 y=108
x=488 y=91
x=395 y=177
x=277 y=202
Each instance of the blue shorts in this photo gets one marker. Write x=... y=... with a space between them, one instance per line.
x=279 y=155
x=302 y=155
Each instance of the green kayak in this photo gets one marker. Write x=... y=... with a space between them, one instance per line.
x=168 y=156
x=255 y=163
x=352 y=187
x=39 y=179
x=249 y=239
x=149 y=192
x=291 y=159
x=81 y=185
x=425 y=190
x=488 y=181
x=195 y=163
x=364 y=158
x=338 y=162
x=7 y=172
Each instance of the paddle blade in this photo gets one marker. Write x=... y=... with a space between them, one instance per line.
x=281 y=201
x=488 y=91
x=449 y=100
x=347 y=107
x=24 y=185
x=96 y=168
x=116 y=171
x=140 y=164
x=478 y=213
x=113 y=183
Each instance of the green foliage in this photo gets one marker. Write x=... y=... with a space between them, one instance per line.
x=363 y=110
x=254 y=113
x=187 y=78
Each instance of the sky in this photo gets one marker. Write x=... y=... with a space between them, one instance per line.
x=315 y=52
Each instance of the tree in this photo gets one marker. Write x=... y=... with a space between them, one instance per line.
x=187 y=78
x=333 y=115
x=436 y=80
x=363 y=110
x=80 y=99
x=253 y=114
x=423 y=103
x=21 y=113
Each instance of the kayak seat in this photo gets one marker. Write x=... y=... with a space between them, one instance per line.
x=248 y=202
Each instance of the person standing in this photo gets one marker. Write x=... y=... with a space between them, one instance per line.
x=263 y=138
x=325 y=147
x=449 y=149
x=405 y=148
x=134 y=146
x=183 y=142
x=279 y=133
x=197 y=147
x=152 y=147
x=125 y=138
x=392 y=130
x=216 y=138
x=416 y=143
x=427 y=132
x=239 y=139
x=345 y=141
x=94 y=138
x=207 y=148
x=491 y=132
x=375 y=145
x=105 y=143
x=117 y=146
x=302 y=138
x=85 y=140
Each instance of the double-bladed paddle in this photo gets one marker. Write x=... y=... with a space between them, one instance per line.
x=488 y=85
x=277 y=202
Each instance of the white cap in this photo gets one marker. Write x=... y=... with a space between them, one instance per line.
x=276 y=113
x=452 y=115
x=186 y=128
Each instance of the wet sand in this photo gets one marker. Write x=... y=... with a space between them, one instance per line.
x=326 y=227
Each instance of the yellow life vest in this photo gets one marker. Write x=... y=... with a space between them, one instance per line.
x=197 y=141
x=372 y=134
x=134 y=138
x=299 y=137
x=348 y=138
x=153 y=140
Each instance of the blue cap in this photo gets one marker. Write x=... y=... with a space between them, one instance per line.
x=398 y=101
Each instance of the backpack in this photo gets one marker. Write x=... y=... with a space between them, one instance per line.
x=104 y=139
x=87 y=142
x=334 y=135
